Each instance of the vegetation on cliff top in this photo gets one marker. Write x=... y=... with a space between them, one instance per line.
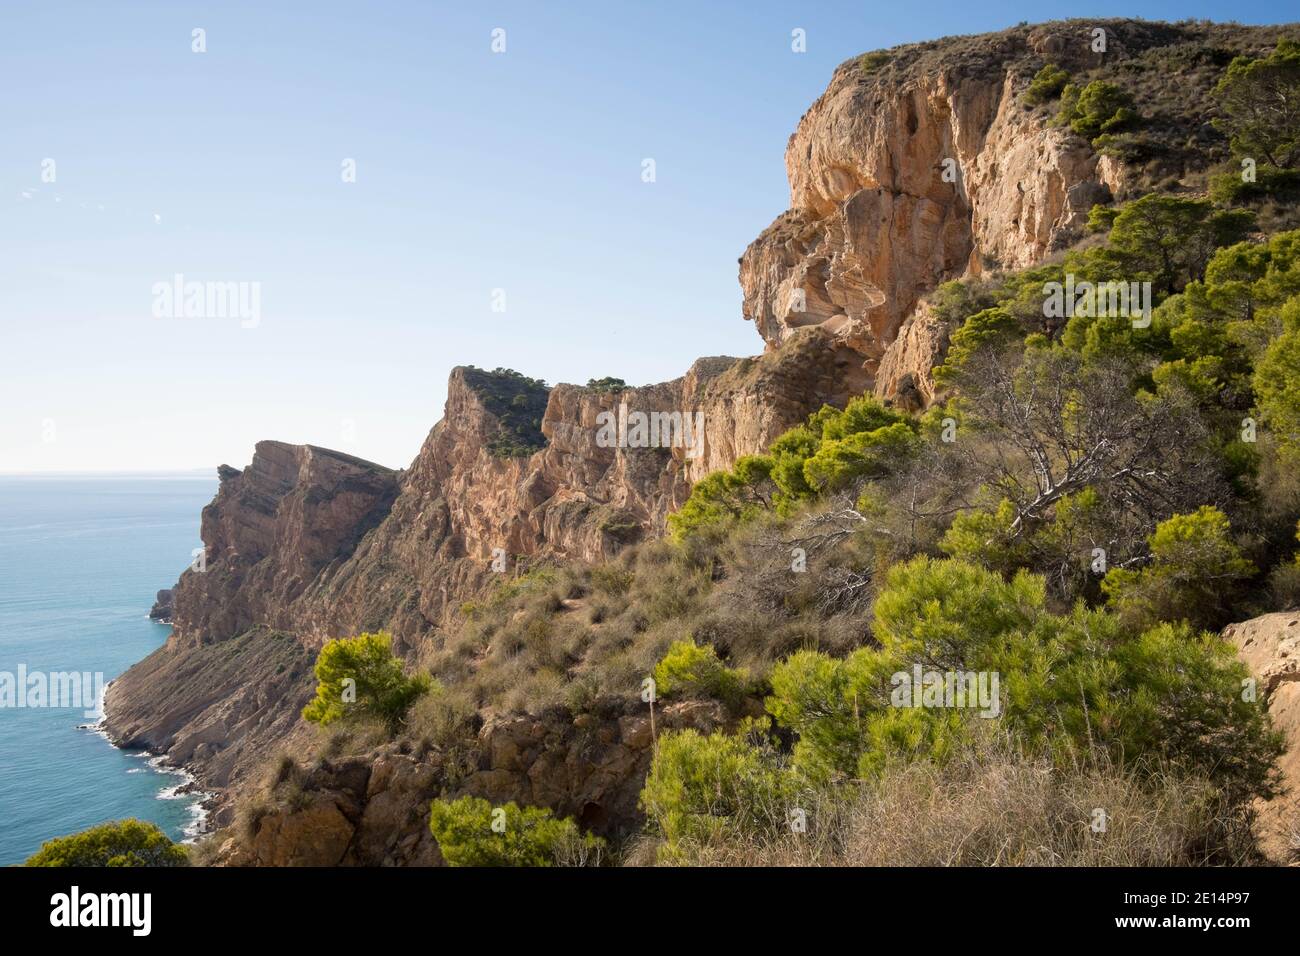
x=1169 y=70
x=518 y=403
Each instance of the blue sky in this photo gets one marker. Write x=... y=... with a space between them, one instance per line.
x=475 y=171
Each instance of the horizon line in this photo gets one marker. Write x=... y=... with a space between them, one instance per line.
x=201 y=471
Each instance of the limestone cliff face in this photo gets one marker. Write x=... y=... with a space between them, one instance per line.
x=293 y=513
x=317 y=543
x=905 y=376
x=926 y=169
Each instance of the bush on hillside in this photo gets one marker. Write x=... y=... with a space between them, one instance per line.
x=689 y=670
x=705 y=787
x=472 y=832
x=869 y=63
x=1260 y=100
x=1195 y=568
x=1046 y=85
x=1097 y=108
x=994 y=806
x=123 y=843
x=1068 y=683
x=360 y=676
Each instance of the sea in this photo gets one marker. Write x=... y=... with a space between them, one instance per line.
x=81 y=560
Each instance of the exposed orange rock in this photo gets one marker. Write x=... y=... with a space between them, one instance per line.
x=918 y=173
x=1270 y=646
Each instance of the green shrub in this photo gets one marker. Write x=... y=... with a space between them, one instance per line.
x=704 y=788
x=1101 y=218
x=471 y=832
x=725 y=498
x=1195 y=566
x=1046 y=85
x=1260 y=100
x=860 y=455
x=984 y=538
x=1170 y=240
x=1277 y=386
x=689 y=670
x=123 y=843
x=989 y=328
x=360 y=676
x=1068 y=684
x=1231 y=188
x=864 y=441
x=1099 y=107
x=952 y=614
x=826 y=701
x=958 y=299
x=607 y=384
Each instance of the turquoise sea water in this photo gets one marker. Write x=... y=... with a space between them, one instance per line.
x=80 y=561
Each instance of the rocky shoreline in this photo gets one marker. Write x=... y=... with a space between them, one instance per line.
x=219 y=711
x=205 y=801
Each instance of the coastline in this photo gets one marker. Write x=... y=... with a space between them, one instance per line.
x=202 y=801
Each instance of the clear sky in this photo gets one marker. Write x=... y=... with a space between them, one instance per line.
x=475 y=171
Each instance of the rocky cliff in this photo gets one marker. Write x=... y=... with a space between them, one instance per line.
x=316 y=543
x=930 y=166
x=305 y=544
x=1270 y=646
x=373 y=809
x=902 y=175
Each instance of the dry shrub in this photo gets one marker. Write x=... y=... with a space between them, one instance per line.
x=1012 y=813
x=992 y=808
x=352 y=736
x=539 y=691
x=611 y=579
x=443 y=718
x=205 y=850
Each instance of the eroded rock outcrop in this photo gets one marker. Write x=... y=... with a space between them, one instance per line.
x=162 y=607
x=270 y=531
x=373 y=809
x=1270 y=646
x=926 y=168
x=906 y=373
